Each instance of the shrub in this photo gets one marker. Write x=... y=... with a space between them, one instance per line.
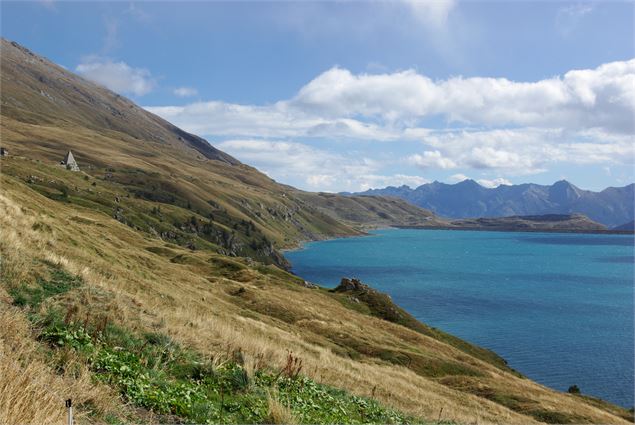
x=573 y=389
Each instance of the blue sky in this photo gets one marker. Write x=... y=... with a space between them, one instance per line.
x=351 y=95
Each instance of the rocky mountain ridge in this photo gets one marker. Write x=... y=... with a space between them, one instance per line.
x=612 y=206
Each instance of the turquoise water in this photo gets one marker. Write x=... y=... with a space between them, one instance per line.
x=557 y=307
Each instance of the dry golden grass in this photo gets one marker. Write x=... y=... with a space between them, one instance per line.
x=279 y=413
x=194 y=304
x=30 y=391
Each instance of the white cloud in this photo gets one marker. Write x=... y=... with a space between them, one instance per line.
x=524 y=150
x=374 y=181
x=359 y=20
x=569 y=17
x=185 y=92
x=601 y=97
x=49 y=4
x=275 y=121
x=338 y=103
x=579 y=9
x=512 y=128
x=431 y=159
x=320 y=180
x=117 y=76
x=111 y=39
x=312 y=168
x=489 y=157
x=493 y=183
x=138 y=13
x=299 y=163
x=456 y=178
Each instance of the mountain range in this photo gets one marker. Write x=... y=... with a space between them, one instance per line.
x=612 y=207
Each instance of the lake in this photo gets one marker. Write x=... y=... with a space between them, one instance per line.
x=557 y=307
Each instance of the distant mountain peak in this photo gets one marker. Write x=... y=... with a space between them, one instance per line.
x=563 y=182
x=468 y=182
x=468 y=199
x=563 y=192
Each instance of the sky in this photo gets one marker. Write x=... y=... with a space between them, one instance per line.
x=351 y=95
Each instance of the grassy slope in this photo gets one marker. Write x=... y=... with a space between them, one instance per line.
x=103 y=226
x=217 y=305
x=159 y=375
x=371 y=211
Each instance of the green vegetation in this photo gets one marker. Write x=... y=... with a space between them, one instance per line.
x=153 y=372
x=627 y=414
x=519 y=403
x=32 y=296
x=140 y=200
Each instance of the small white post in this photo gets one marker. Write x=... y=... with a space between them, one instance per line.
x=69 y=406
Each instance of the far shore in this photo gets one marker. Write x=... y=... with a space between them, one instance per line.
x=365 y=229
x=516 y=229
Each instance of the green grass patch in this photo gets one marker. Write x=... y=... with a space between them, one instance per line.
x=162 y=251
x=153 y=372
x=552 y=417
x=58 y=282
x=226 y=267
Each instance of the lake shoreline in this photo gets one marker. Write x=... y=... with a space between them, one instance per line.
x=450 y=297
x=517 y=230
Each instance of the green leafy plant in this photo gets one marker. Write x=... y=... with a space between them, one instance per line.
x=183 y=384
x=75 y=337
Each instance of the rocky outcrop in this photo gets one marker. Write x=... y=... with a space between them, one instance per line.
x=378 y=303
x=351 y=285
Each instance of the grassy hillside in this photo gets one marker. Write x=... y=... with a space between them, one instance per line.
x=371 y=212
x=78 y=284
x=147 y=287
x=133 y=156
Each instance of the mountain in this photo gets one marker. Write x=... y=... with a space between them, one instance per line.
x=611 y=207
x=209 y=199
x=148 y=287
x=630 y=226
